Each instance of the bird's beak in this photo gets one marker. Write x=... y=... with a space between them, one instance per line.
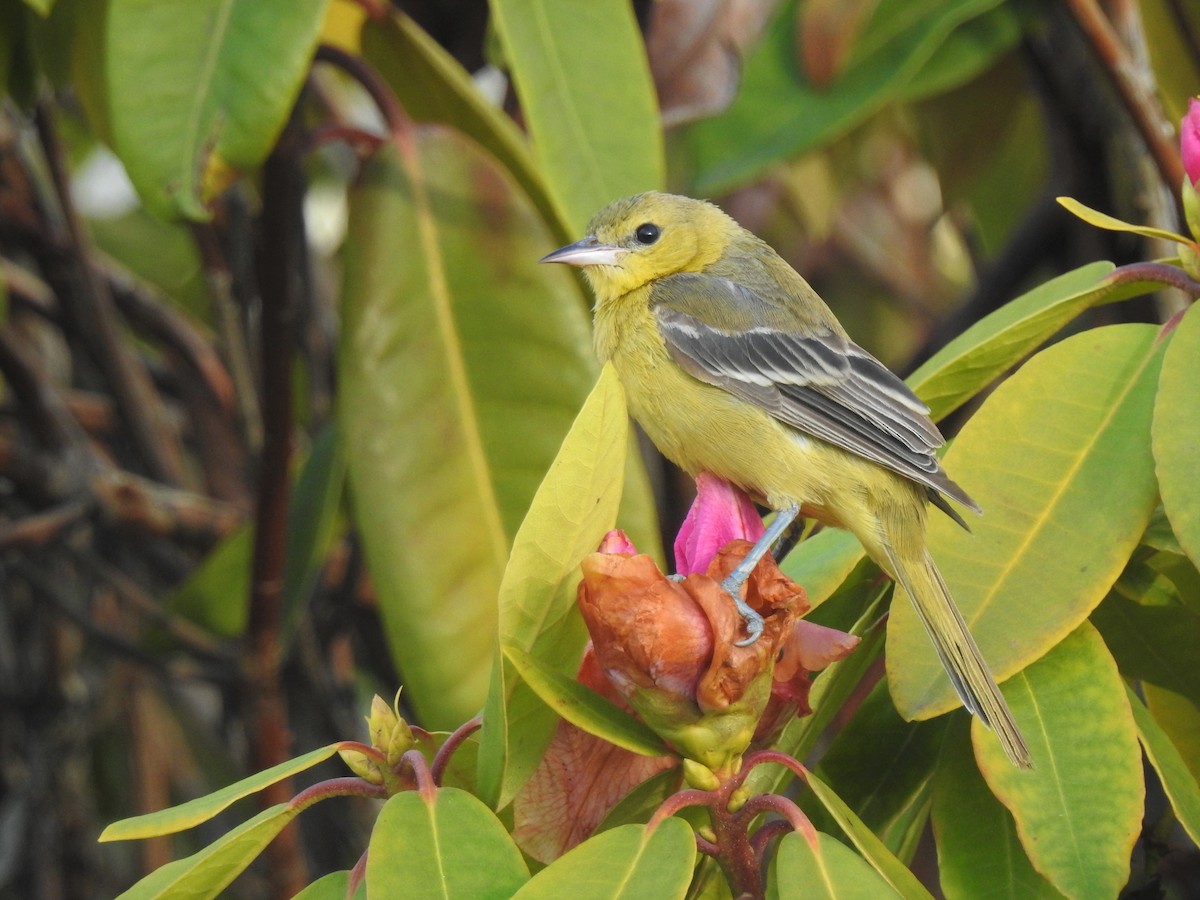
x=587 y=252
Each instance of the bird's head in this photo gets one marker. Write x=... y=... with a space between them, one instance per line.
x=634 y=241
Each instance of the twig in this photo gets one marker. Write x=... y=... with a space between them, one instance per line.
x=394 y=116
x=1137 y=97
x=1160 y=273
x=96 y=319
x=281 y=264
x=230 y=332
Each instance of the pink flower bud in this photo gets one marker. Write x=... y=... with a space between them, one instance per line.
x=1189 y=141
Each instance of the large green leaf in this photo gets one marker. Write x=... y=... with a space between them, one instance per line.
x=579 y=69
x=876 y=853
x=778 y=113
x=574 y=507
x=433 y=86
x=1079 y=809
x=449 y=845
x=332 y=887
x=979 y=854
x=461 y=369
x=1177 y=433
x=828 y=871
x=970 y=49
x=188 y=815
x=1177 y=780
x=197 y=87
x=1000 y=341
x=1057 y=457
x=206 y=873
x=629 y=862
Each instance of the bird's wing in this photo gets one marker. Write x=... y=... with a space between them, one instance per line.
x=822 y=384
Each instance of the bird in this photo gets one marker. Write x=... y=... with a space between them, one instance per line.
x=732 y=364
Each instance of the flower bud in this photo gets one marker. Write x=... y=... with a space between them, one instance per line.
x=362 y=766
x=1189 y=141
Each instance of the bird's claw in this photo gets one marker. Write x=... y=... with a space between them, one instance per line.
x=752 y=620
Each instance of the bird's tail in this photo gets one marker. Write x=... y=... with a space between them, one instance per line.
x=958 y=651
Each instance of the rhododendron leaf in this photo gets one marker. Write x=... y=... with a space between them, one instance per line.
x=188 y=815
x=1079 y=809
x=446 y=845
x=1057 y=458
x=876 y=853
x=584 y=708
x=1177 y=780
x=627 y=862
x=208 y=872
x=573 y=509
x=1110 y=223
x=1176 y=432
x=828 y=871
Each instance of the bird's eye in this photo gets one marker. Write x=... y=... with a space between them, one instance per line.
x=647 y=234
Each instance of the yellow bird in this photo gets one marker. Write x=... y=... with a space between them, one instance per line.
x=733 y=365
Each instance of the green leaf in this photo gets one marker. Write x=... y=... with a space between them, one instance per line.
x=208 y=872
x=779 y=114
x=1003 y=339
x=1109 y=223
x=1179 y=719
x=584 y=708
x=1152 y=643
x=461 y=370
x=1176 y=433
x=630 y=862
x=574 y=507
x=1079 y=809
x=1057 y=458
x=450 y=845
x=881 y=767
x=199 y=87
x=188 y=815
x=828 y=871
x=434 y=87
x=970 y=49
x=876 y=853
x=822 y=563
x=1177 y=780
x=579 y=68
x=979 y=853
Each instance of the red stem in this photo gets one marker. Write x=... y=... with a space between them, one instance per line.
x=441 y=759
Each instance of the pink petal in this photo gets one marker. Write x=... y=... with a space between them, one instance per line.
x=812 y=647
x=720 y=513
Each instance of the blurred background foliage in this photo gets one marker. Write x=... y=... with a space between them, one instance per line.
x=281 y=372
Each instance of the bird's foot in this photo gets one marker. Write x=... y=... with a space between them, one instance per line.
x=752 y=620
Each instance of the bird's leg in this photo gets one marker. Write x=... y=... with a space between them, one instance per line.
x=733 y=584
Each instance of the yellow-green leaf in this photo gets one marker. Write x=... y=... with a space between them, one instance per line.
x=208 y=872
x=1177 y=780
x=1109 y=223
x=979 y=854
x=828 y=871
x=876 y=853
x=1057 y=457
x=188 y=815
x=462 y=365
x=625 y=863
x=584 y=708
x=579 y=69
x=1001 y=340
x=1179 y=718
x=1079 y=809
x=1177 y=433
x=574 y=507
x=200 y=87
